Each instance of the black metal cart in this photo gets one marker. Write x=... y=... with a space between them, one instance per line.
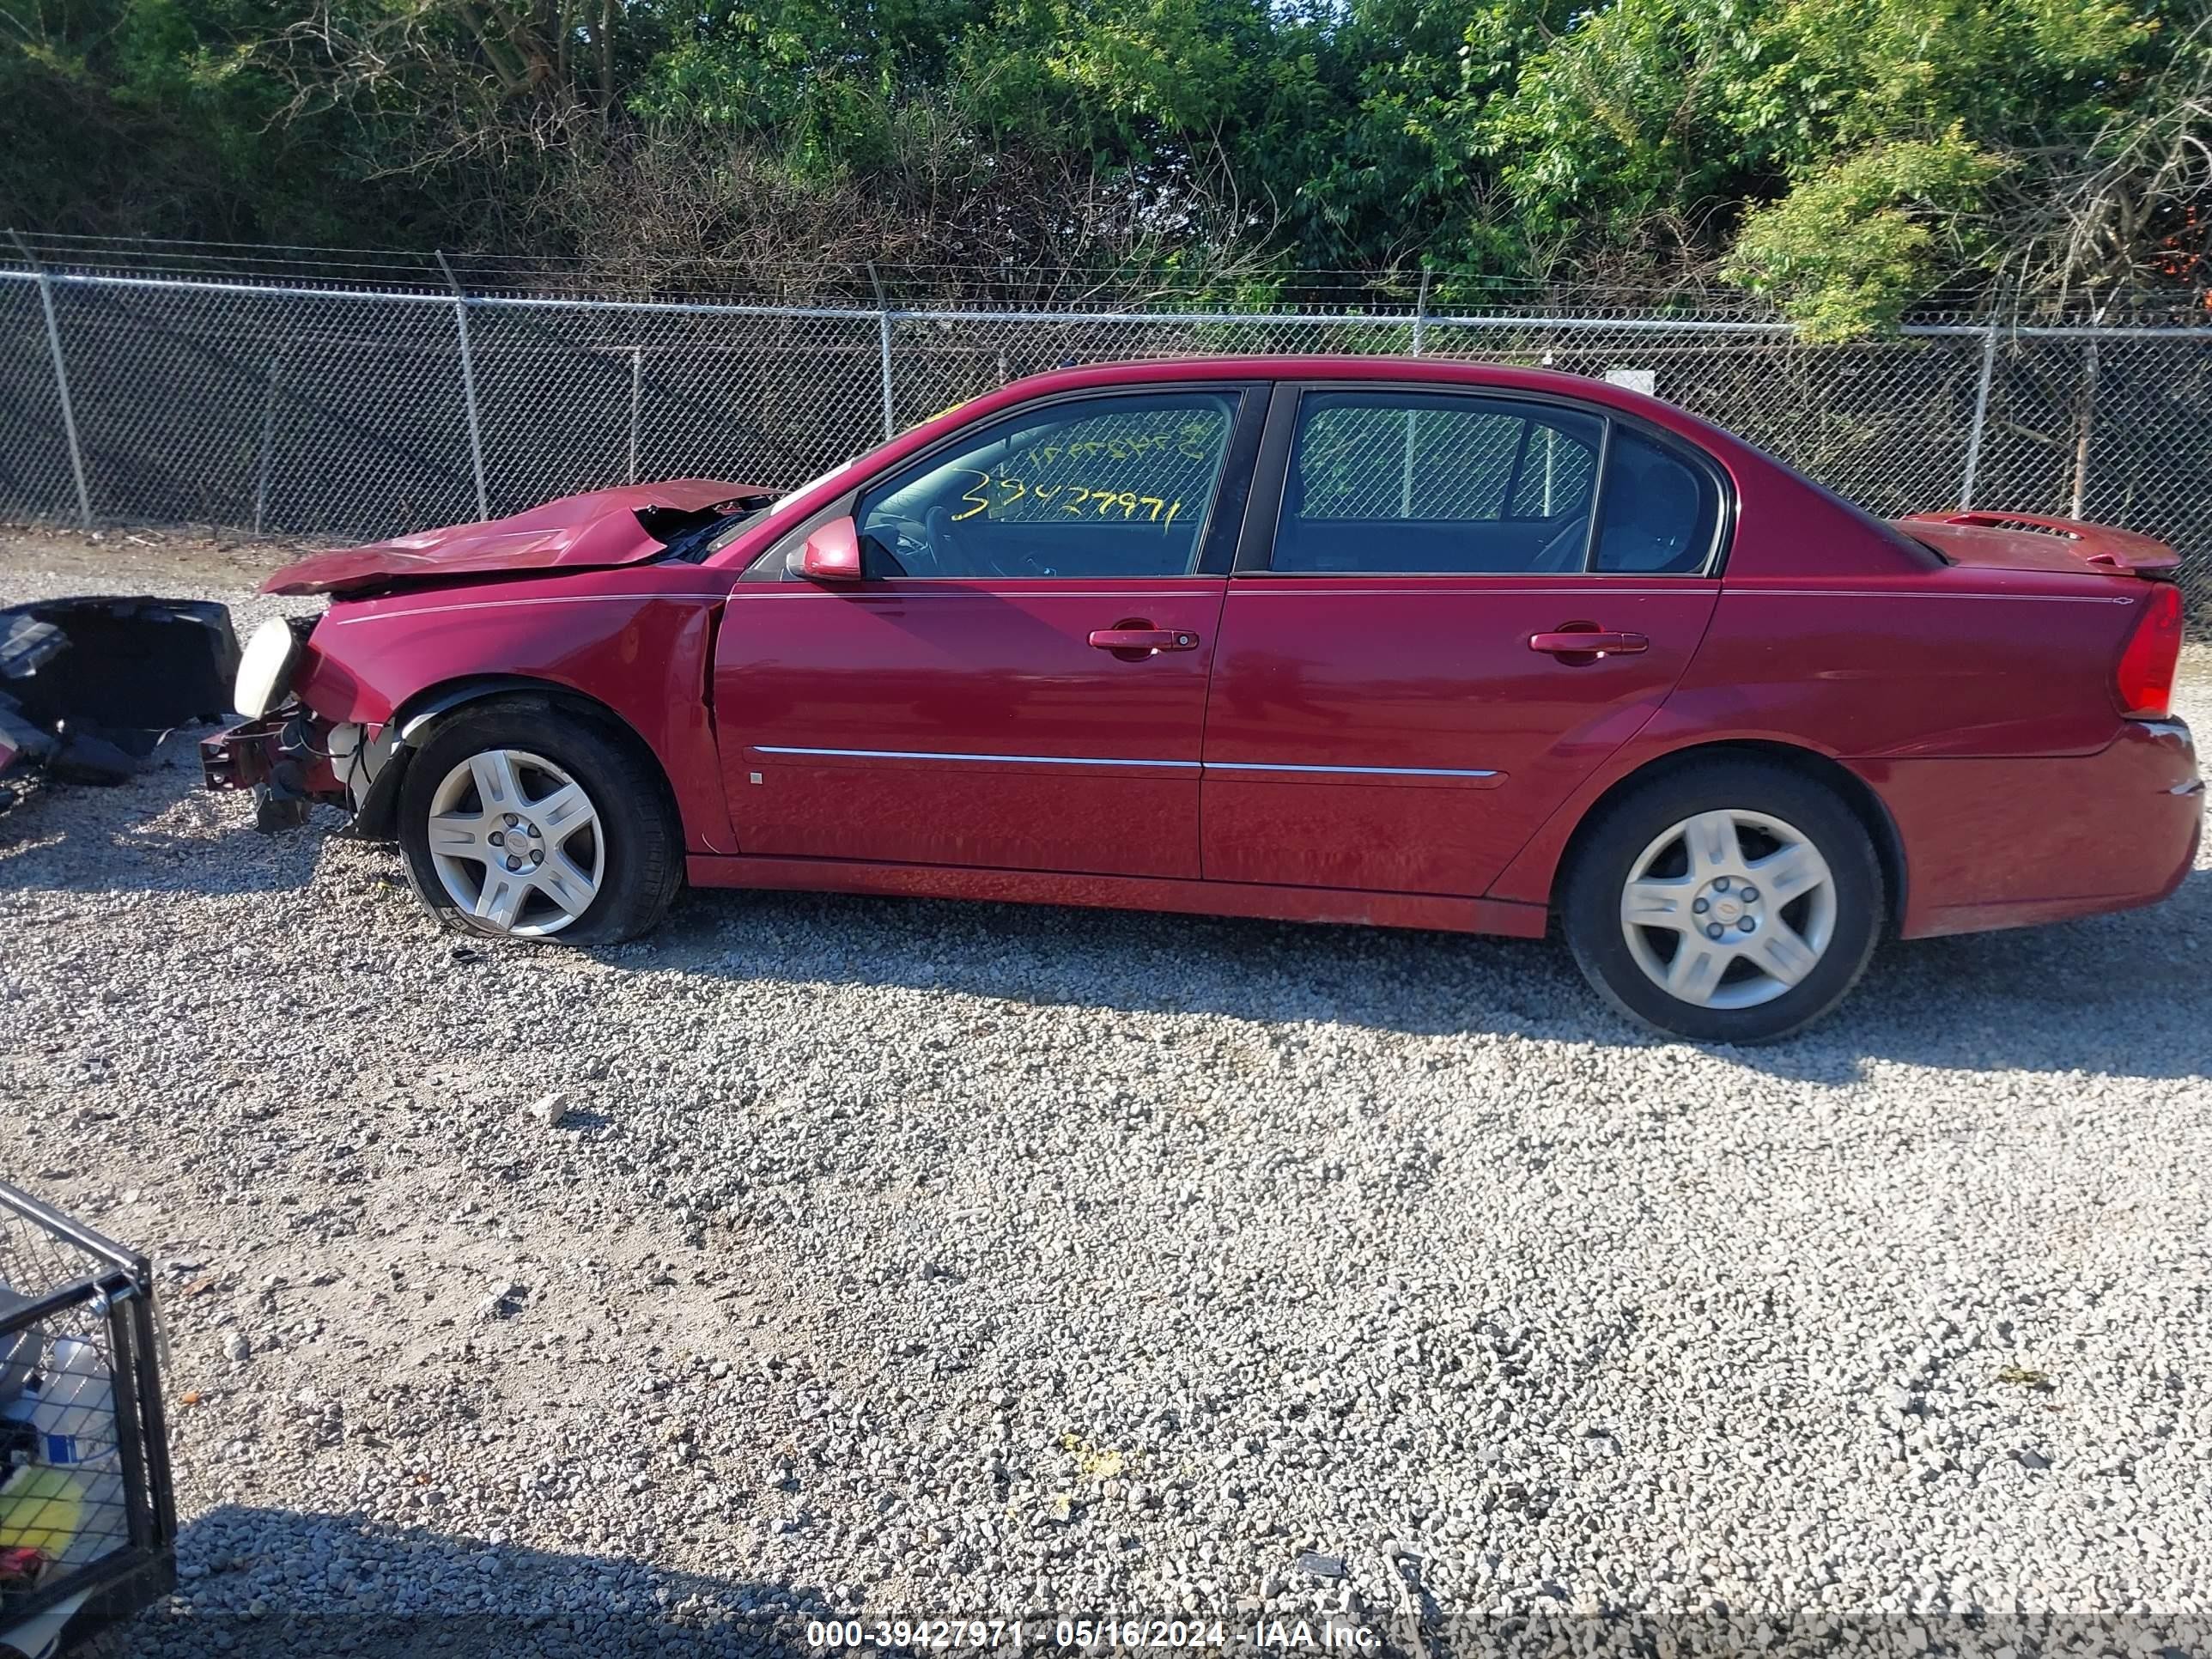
x=88 y=1518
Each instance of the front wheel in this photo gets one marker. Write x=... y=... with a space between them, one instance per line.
x=1729 y=902
x=524 y=819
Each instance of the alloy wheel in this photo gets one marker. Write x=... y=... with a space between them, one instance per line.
x=516 y=843
x=1728 y=909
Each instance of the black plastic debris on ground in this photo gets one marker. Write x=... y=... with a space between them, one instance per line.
x=26 y=645
x=89 y=686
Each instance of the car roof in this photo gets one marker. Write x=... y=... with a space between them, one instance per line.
x=1410 y=371
x=1737 y=457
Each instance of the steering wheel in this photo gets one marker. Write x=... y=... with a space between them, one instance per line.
x=921 y=544
x=1030 y=568
x=977 y=557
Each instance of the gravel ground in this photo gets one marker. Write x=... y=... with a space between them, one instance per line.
x=925 y=1258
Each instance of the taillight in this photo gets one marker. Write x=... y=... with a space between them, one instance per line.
x=2144 y=680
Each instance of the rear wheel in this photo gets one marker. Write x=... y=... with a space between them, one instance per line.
x=523 y=820
x=1729 y=901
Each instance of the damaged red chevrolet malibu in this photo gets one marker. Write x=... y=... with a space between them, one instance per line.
x=1364 y=641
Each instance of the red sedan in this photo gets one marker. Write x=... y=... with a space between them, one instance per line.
x=1374 y=640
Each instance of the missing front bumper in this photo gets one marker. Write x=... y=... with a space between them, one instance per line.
x=265 y=755
x=294 y=759
x=242 y=756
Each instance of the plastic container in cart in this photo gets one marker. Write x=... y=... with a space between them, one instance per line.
x=87 y=1519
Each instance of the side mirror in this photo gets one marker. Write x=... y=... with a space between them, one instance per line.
x=832 y=554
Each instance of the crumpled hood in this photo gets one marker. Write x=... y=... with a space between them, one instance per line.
x=593 y=531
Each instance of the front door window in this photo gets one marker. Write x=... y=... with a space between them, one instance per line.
x=1092 y=488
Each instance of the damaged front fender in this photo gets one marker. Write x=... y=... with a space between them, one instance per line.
x=377 y=675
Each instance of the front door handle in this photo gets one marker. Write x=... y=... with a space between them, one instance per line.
x=1143 y=639
x=1589 y=641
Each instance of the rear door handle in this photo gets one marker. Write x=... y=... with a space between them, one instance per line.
x=1588 y=641
x=1143 y=639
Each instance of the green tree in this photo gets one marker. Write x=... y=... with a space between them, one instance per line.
x=1841 y=158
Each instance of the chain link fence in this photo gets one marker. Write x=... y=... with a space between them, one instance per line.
x=321 y=410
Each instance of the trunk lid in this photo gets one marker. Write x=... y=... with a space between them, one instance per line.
x=593 y=531
x=2025 y=541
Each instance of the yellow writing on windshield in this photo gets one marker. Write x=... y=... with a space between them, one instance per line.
x=1075 y=498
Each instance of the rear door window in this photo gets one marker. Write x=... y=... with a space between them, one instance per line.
x=1409 y=483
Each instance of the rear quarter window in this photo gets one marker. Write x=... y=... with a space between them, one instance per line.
x=1659 y=512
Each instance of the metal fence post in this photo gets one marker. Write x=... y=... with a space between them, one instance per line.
x=61 y=377
x=637 y=399
x=268 y=440
x=1406 y=452
x=2085 y=429
x=468 y=385
x=1981 y=417
x=883 y=351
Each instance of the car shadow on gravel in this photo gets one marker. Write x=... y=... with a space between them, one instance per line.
x=283 y=1584
x=2128 y=995
x=2125 y=995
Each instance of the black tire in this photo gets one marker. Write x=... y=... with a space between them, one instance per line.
x=643 y=850
x=1591 y=911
